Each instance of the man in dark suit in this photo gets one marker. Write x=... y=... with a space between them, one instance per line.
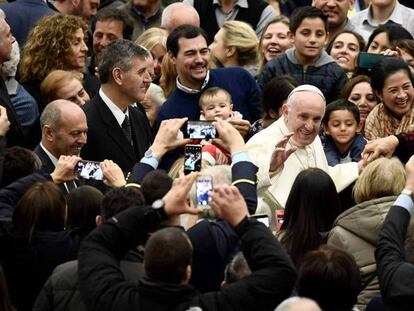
x=15 y=134
x=117 y=130
x=64 y=129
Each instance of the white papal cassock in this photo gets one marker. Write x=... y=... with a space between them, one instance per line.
x=261 y=146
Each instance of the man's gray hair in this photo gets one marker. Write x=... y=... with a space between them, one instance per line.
x=303 y=88
x=2 y=16
x=10 y=67
x=119 y=53
x=176 y=10
x=287 y=304
x=51 y=115
x=156 y=94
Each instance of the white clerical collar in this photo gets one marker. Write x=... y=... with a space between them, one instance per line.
x=51 y=156
x=193 y=91
x=118 y=113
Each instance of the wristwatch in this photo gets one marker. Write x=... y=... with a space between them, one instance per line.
x=150 y=154
x=159 y=207
x=408 y=192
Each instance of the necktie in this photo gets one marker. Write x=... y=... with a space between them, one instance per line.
x=126 y=127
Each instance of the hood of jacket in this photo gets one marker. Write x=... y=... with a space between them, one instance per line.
x=323 y=59
x=365 y=219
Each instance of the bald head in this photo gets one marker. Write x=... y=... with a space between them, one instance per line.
x=177 y=14
x=64 y=128
x=298 y=304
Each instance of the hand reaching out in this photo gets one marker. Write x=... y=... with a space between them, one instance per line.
x=113 y=175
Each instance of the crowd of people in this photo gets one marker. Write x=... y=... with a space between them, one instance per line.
x=206 y=155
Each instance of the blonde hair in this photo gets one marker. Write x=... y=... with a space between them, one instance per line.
x=54 y=81
x=168 y=80
x=150 y=38
x=48 y=46
x=241 y=36
x=279 y=19
x=382 y=177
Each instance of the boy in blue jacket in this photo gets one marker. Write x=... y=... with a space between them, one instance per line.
x=307 y=61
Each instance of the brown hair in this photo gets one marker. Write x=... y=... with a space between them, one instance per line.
x=211 y=92
x=331 y=277
x=54 y=81
x=42 y=208
x=349 y=86
x=48 y=46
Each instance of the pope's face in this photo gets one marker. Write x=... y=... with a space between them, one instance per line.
x=304 y=117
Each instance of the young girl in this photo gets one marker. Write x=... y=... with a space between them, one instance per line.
x=343 y=142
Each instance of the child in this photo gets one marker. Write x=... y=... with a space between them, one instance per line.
x=307 y=62
x=343 y=142
x=214 y=103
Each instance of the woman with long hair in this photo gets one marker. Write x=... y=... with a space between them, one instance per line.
x=310 y=210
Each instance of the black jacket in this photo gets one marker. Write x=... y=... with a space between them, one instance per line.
x=61 y=291
x=104 y=287
x=395 y=273
x=106 y=140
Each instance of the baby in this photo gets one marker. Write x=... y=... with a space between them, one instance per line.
x=214 y=103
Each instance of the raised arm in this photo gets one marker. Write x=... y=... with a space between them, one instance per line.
x=101 y=282
x=395 y=273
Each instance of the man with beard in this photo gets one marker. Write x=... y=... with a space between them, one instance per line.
x=337 y=11
x=117 y=130
x=188 y=50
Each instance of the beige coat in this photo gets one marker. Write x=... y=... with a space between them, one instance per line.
x=356 y=230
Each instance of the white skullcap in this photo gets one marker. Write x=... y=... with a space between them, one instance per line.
x=307 y=88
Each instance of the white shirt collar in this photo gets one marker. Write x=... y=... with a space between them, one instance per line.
x=118 y=113
x=192 y=91
x=51 y=156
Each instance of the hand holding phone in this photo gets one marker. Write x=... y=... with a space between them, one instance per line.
x=89 y=170
x=368 y=60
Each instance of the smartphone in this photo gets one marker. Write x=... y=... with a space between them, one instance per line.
x=368 y=60
x=204 y=185
x=280 y=214
x=201 y=130
x=89 y=170
x=263 y=218
x=192 y=159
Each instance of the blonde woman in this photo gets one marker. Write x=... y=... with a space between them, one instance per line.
x=236 y=44
x=155 y=41
x=275 y=40
x=356 y=230
x=61 y=84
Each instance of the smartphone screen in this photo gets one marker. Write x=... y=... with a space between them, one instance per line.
x=89 y=170
x=201 y=130
x=204 y=185
x=192 y=159
x=368 y=60
x=264 y=219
